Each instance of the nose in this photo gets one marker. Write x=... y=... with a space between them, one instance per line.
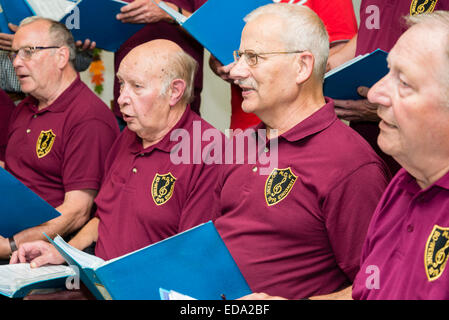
x=239 y=71
x=17 y=61
x=123 y=99
x=381 y=92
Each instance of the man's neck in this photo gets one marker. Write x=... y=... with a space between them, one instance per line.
x=65 y=81
x=287 y=117
x=153 y=137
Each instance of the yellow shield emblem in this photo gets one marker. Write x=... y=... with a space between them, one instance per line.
x=437 y=251
x=162 y=188
x=422 y=6
x=278 y=185
x=45 y=143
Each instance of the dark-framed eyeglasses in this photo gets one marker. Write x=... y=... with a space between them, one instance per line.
x=252 y=57
x=26 y=53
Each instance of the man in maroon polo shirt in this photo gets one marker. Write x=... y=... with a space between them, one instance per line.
x=381 y=25
x=407 y=247
x=296 y=231
x=160 y=26
x=6 y=108
x=146 y=196
x=60 y=134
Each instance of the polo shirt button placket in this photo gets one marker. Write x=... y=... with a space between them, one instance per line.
x=134 y=170
x=28 y=130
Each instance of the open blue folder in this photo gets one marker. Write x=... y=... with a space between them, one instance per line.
x=218 y=24
x=195 y=262
x=92 y=19
x=98 y=23
x=343 y=81
x=14 y=11
x=21 y=208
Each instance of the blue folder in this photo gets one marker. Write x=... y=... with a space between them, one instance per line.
x=218 y=25
x=97 y=21
x=14 y=11
x=195 y=262
x=21 y=208
x=3 y=22
x=342 y=83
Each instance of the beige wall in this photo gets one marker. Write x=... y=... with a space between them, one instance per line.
x=216 y=97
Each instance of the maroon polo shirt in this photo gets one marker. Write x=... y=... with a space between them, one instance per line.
x=302 y=235
x=407 y=246
x=6 y=108
x=384 y=36
x=62 y=147
x=146 y=197
x=169 y=31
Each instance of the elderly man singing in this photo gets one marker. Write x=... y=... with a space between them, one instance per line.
x=146 y=197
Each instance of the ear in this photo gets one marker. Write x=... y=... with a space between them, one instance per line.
x=63 y=55
x=177 y=88
x=304 y=64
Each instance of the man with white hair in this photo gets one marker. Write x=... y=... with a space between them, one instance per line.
x=407 y=247
x=297 y=231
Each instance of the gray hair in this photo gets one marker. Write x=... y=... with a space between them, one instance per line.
x=181 y=65
x=59 y=35
x=304 y=30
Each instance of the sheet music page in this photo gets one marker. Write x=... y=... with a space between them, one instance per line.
x=84 y=259
x=53 y=9
x=13 y=276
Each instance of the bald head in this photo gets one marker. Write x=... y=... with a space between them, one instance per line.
x=164 y=60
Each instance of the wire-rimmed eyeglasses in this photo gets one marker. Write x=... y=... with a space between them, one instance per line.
x=252 y=57
x=26 y=53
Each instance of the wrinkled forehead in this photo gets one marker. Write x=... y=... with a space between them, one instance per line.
x=33 y=34
x=142 y=68
x=419 y=51
x=263 y=33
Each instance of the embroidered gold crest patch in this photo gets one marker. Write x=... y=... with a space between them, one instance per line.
x=162 y=188
x=45 y=143
x=278 y=185
x=437 y=251
x=422 y=6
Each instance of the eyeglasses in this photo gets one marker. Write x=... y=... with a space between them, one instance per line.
x=26 y=53
x=251 y=57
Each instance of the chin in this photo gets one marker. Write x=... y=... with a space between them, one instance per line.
x=386 y=146
x=248 y=107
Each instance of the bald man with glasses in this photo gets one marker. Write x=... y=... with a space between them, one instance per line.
x=297 y=230
x=58 y=136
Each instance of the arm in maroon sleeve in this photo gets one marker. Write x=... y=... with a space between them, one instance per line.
x=348 y=211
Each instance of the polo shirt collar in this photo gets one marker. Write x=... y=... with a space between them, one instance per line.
x=409 y=184
x=165 y=145
x=316 y=122
x=61 y=103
